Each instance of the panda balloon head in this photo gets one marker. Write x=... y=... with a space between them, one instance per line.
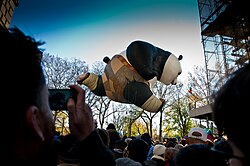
x=172 y=69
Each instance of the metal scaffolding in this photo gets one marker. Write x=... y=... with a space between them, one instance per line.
x=225 y=33
x=225 y=36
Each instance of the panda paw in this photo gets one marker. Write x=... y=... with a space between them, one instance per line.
x=82 y=77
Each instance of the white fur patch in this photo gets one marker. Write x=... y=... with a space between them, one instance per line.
x=171 y=69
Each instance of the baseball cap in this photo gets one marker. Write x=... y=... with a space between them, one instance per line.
x=198 y=133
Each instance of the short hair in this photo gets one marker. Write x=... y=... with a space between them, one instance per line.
x=23 y=71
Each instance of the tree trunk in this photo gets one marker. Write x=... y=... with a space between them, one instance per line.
x=160 y=128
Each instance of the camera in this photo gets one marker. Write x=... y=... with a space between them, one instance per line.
x=58 y=98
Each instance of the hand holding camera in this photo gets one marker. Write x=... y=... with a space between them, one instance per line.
x=58 y=98
x=80 y=114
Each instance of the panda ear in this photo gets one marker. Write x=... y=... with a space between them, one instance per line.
x=106 y=59
x=180 y=57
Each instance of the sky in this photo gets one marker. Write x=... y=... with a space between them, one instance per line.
x=92 y=29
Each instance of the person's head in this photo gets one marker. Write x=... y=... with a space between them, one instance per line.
x=197 y=155
x=30 y=127
x=158 y=152
x=197 y=135
x=170 y=143
x=179 y=146
x=138 y=150
x=119 y=147
x=147 y=138
x=104 y=136
x=111 y=126
x=170 y=153
x=230 y=107
x=113 y=135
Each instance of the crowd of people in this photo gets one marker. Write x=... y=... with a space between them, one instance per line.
x=29 y=137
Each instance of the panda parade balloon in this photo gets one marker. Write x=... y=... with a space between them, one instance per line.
x=128 y=76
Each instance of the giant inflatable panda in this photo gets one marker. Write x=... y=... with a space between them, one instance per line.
x=129 y=76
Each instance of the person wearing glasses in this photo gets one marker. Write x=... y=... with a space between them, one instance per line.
x=230 y=112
